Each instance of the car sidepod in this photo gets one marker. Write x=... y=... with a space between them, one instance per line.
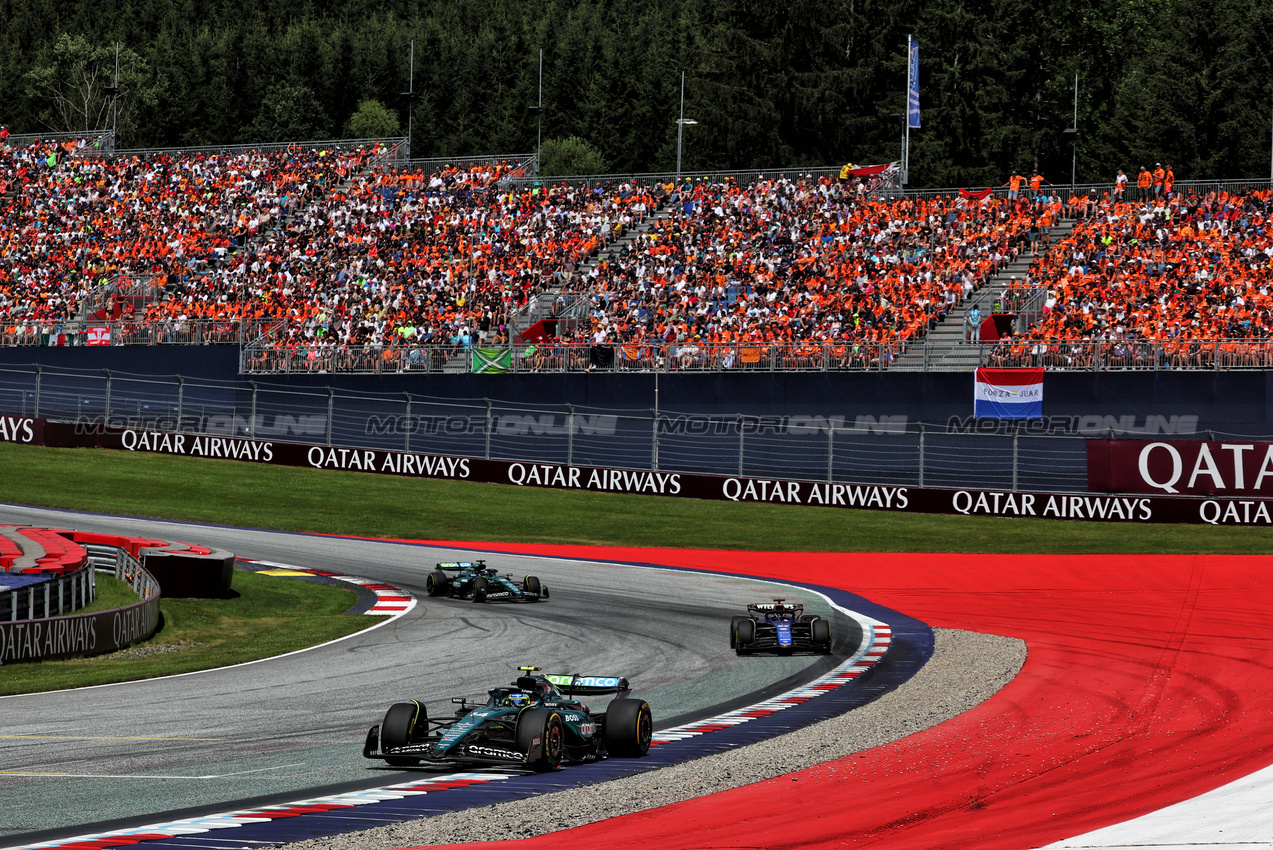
x=485 y=734
x=499 y=588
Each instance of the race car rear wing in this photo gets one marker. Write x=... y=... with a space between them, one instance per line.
x=453 y=566
x=573 y=684
x=797 y=607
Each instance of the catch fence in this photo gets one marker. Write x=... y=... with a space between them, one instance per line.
x=884 y=450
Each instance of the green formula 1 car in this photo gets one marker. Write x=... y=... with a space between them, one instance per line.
x=535 y=723
x=474 y=580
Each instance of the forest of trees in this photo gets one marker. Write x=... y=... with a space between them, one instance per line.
x=802 y=82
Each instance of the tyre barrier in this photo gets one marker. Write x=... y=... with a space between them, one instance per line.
x=183 y=570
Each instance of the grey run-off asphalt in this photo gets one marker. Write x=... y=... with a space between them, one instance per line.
x=286 y=727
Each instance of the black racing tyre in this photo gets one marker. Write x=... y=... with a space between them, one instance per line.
x=533 y=586
x=628 y=728
x=733 y=630
x=746 y=635
x=400 y=724
x=435 y=583
x=479 y=589
x=546 y=725
x=820 y=631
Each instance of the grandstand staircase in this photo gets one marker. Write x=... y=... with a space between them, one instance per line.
x=946 y=348
x=575 y=306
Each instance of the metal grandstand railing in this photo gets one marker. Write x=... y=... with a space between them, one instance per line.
x=139 y=289
x=77 y=332
x=521 y=165
x=528 y=163
x=397 y=145
x=1077 y=355
x=1066 y=190
x=886 y=184
x=97 y=141
x=558 y=357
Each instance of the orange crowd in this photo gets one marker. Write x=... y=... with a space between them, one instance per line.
x=802 y=261
x=312 y=247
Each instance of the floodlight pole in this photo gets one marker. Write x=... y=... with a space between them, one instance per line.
x=115 y=100
x=1074 y=161
x=539 y=131
x=680 y=132
x=410 y=97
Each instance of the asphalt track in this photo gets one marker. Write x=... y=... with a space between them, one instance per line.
x=1140 y=719
x=276 y=730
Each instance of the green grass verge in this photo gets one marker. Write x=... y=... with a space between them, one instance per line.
x=244 y=494
x=112 y=593
x=268 y=615
x=263 y=620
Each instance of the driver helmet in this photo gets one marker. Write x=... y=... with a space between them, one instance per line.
x=517 y=699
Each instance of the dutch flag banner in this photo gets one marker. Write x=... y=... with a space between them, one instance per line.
x=1008 y=394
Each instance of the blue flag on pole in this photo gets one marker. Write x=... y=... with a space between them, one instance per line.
x=912 y=95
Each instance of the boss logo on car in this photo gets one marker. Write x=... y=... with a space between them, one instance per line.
x=574 y=718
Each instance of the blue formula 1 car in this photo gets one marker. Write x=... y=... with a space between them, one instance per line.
x=779 y=626
x=474 y=580
x=535 y=724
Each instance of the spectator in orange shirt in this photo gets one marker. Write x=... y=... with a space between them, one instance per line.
x=1014 y=186
x=1036 y=183
x=1159 y=177
x=1144 y=181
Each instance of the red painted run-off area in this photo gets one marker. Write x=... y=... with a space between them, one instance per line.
x=1147 y=682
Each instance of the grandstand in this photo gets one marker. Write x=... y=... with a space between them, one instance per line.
x=339 y=256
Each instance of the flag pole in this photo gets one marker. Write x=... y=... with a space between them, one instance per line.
x=906 y=142
x=1074 y=162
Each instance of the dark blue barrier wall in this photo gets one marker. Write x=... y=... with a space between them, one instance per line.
x=1074 y=402
x=191 y=361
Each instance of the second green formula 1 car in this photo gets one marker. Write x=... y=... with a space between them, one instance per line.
x=474 y=580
